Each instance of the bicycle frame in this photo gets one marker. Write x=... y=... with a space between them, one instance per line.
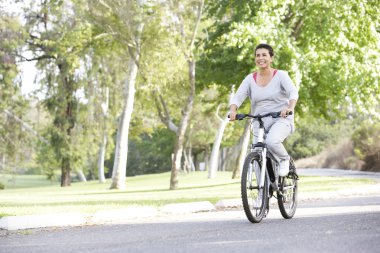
x=258 y=161
x=264 y=151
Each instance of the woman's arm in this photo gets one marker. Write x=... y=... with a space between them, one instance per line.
x=292 y=105
x=232 y=114
x=241 y=94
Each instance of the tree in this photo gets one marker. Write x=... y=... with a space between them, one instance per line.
x=124 y=23
x=188 y=47
x=58 y=38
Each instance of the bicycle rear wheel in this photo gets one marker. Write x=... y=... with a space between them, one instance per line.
x=287 y=196
x=254 y=198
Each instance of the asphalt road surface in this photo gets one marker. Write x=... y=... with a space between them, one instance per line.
x=341 y=225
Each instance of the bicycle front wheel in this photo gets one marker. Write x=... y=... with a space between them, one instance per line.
x=253 y=196
x=287 y=196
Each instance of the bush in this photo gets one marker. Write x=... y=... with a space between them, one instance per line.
x=314 y=135
x=366 y=141
x=151 y=153
x=2 y=186
x=148 y=153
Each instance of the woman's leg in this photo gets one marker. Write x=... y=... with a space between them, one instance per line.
x=276 y=135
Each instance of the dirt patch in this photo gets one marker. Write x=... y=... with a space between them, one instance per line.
x=339 y=156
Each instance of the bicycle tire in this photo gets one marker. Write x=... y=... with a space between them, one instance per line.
x=287 y=199
x=254 y=205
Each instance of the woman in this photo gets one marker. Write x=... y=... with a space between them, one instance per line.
x=269 y=90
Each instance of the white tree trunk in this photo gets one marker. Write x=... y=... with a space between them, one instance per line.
x=81 y=176
x=178 y=149
x=218 y=140
x=103 y=146
x=121 y=152
x=190 y=157
x=243 y=151
x=102 y=153
x=213 y=166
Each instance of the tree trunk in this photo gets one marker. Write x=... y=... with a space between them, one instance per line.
x=190 y=158
x=103 y=146
x=102 y=153
x=186 y=164
x=215 y=149
x=120 y=162
x=121 y=152
x=176 y=163
x=218 y=140
x=65 y=120
x=81 y=176
x=244 y=140
x=65 y=172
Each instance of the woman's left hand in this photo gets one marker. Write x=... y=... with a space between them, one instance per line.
x=285 y=113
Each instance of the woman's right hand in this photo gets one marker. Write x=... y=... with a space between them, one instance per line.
x=232 y=114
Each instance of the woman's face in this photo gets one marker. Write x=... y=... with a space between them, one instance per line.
x=263 y=58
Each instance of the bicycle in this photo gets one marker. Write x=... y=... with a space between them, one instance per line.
x=260 y=179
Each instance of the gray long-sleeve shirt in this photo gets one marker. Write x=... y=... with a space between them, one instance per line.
x=274 y=97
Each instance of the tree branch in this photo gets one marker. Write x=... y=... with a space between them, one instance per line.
x=199 y=16
x=36 y=58
x=217 y=113
x=25 y=125
x=297 y=29
x=164 y=116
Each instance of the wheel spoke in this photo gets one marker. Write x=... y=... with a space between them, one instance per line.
x=288 y=200
x=253 y=196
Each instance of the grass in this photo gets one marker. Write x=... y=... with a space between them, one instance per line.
x=24 y=181
x=35 y=195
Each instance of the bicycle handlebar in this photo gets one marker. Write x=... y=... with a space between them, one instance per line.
x=271 y=114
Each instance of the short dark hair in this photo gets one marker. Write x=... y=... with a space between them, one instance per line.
x=266 y=46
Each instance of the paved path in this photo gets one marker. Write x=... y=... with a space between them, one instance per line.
x=130 y=214
x=344 y=225
x=339 y=173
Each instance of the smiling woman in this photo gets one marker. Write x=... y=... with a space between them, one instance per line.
x=270 y=90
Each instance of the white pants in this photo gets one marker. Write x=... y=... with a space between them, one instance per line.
x=277 y=130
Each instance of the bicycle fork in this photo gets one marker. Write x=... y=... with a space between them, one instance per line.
x=263 y=168
x=260 y=140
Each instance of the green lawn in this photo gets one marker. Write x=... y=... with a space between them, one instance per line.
x=35 y=195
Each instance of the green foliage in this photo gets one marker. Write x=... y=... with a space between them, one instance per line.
x=47 y=161
x=2 y=186
x=59 y=39
x=330 y=48
x=11 y=33
x=14 y=139
x=314 y=135
x=151 y=153
x=367 y=144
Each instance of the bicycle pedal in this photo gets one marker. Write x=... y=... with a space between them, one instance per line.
x=293 y=175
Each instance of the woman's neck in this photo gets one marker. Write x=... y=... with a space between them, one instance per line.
x=265 y=71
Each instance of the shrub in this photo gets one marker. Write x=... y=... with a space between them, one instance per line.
x=366 y=141
x=314 y=135
x=2 y=186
